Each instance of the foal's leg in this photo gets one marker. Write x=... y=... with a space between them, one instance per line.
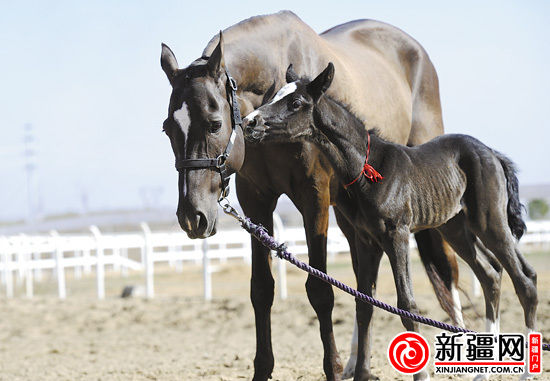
x=349 y=232
x=396 y=245
x=368 y=262
x=483 y=263
x=500 y=241
x=260 y=210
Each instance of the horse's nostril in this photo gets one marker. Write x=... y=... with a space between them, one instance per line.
x=202 y=223
x=253 y=122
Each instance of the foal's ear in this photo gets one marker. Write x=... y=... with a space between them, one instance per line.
x=168 y=62
x=319 y=85
x=215 y=62
x=291 y=75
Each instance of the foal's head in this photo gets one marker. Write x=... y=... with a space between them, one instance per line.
x=289 y=116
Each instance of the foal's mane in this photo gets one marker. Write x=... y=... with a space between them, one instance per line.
x=374 y=131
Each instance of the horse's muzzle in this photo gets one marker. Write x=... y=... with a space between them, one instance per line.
x=253 y=128
x=196 y=225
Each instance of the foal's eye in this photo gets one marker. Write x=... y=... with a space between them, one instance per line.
x=296 y=104
x=215 y=126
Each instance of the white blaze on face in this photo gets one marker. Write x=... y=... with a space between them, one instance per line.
x=285 y=90
x=251 y=115
x=181 y=117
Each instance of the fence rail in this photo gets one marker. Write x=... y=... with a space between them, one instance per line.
x=26 y=257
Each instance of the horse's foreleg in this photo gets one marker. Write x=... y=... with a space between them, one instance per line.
x=320 y=294
x=396 y=245
x=368 y=258
x=262 y=285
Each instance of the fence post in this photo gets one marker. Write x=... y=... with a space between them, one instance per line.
x=27 y=265
x=59 y=269
x=38 y=270
x=148 y=261
x=20 y=256
x=279 y=232
x=87 y=261
x=29 y=286
x=100 y=262
x=124 y=267
x=78 y=267
x=206 y=273
x=6 y=259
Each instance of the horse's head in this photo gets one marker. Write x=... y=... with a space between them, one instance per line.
x=289 y=116
x=199 y=126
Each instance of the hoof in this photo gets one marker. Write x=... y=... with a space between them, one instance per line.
x=422 y=376
x=349 y=370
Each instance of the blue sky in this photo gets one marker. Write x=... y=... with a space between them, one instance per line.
x=87 y=76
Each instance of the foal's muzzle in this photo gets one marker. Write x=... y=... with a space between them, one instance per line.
x=254 y=128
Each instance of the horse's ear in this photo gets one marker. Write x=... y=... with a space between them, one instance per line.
x=168 y=62
x=291 y=75
x=319 y=85
x=215 y=62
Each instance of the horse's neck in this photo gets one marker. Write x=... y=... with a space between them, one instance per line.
x=341 y=136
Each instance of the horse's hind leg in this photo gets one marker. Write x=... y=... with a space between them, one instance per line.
x=442 y=270
x=484 y=265
x=499 y=240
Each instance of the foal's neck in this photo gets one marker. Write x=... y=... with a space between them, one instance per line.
x=342 y=137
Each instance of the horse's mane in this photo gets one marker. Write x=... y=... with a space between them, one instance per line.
x=373 y=131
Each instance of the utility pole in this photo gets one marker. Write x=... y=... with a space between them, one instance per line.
x=29 y=156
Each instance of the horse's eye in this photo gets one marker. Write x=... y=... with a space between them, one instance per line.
x=215 y=126
x=296 y=104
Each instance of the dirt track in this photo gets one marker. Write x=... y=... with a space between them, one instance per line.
x=183 y=338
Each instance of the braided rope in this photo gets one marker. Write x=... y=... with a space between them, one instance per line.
x=262 y=235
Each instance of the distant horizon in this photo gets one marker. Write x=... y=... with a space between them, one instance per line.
x=87 y=78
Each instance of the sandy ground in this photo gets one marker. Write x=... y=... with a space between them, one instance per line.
x=177 y=336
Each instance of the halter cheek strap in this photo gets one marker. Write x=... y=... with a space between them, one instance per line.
x=219 y=163
x=368 y=171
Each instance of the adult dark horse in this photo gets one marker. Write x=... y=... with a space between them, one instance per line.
x=387 y=79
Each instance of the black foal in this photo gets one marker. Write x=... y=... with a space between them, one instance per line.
x=454 y=183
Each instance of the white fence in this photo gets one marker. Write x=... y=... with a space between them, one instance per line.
x=26 y=257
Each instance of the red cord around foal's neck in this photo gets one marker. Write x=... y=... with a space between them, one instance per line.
x=368 y=171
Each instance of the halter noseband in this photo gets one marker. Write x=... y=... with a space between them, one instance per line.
x=219 y=163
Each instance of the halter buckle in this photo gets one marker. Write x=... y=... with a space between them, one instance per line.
x=232 y=82
x=220 y=160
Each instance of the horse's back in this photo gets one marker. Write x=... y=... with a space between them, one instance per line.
x=388 y=53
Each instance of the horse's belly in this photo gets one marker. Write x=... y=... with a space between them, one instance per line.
x=439 y=199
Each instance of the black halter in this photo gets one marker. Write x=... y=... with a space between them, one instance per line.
x=219 y=163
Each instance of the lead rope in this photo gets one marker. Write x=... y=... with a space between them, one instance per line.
x=261 y=234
